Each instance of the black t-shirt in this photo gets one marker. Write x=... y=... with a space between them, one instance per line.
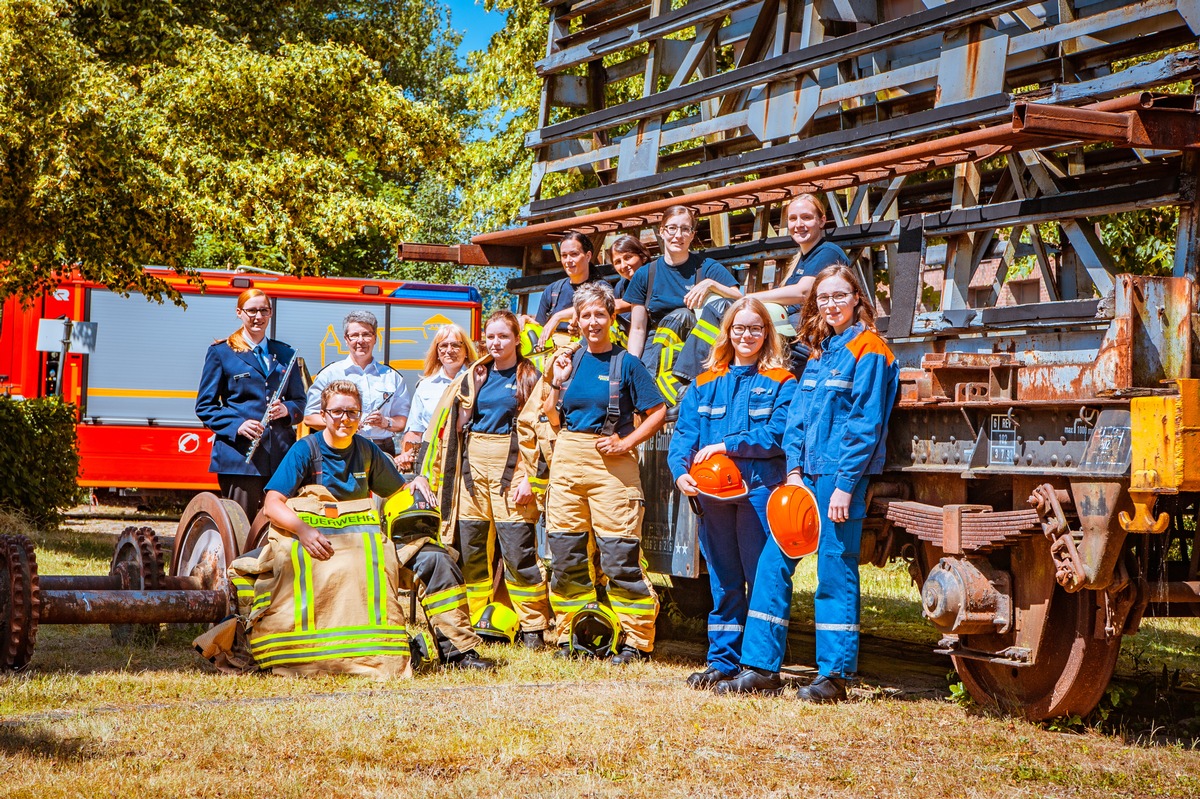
x=671 y=283
x=558 y=295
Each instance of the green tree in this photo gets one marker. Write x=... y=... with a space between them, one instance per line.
x=211 y=133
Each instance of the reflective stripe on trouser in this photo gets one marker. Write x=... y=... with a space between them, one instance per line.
x=732 y=537
x=595 y=505
x=439 y=586
x=490 y=517
x=836 y=602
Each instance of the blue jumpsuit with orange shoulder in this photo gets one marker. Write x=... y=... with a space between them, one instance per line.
x=747 y=409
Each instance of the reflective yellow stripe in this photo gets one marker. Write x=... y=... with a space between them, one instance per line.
x=398 y=648
x=327 y=638
x=327 y=633
x=539 y=484
x=706 y=331
x=562 y=604
x=526 y=593
x=245 y=587
x=302 y=588
x=669 y=387
x=632 y=607
x=443 y=601
x=429 y=465
x=376 y=576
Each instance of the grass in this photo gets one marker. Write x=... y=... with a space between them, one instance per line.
x=94 y=718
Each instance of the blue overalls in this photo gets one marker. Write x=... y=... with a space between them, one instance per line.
x=746 y=409
x=836 y=434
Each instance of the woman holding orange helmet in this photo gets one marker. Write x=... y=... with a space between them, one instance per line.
x=727 y=451
x=836 y=436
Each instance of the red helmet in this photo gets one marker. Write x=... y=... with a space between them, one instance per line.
x=794 y=520
x=718 y=477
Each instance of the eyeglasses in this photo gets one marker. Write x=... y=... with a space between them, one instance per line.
x=256 y=311
x=360 y=337
x=838 y=298
x=754 y=331
x=450 y=346
x=678 y=230
x=343 y=413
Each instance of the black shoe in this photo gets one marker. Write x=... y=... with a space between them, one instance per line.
x=752 y=681
x=533 y=640
x=823 y=690
x=472 y=661
x=628 y=654
x=564 y=652
x=702 y=680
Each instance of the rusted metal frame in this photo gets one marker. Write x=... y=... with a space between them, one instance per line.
x=1187 y=237
x=133 y=607
x=694 y=13
x=568 y=11
x=960 y=248
x=1095 y=256
x=618 y=19
x=925 y=23
x=464 y=254
x=904 y=160
x=1172 y=67
x=1035 y=210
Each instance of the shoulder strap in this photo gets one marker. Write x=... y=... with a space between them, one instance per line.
x=612 y=414
x=555 y=293
x=650 y=282
x=576 y=359
x=315 y=467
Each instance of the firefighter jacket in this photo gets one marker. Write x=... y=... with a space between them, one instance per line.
x=838 y=421
x=443 y=446
x=305 y=616
x=743 y=407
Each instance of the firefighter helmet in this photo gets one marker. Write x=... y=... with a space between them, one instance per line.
x=406 y=514
x=595 y=630
x=779 y=318
x=530 y=334
x=718 y=477
x=794 y=520
x=497 y=622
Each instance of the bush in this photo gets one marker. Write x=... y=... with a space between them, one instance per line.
x=39 y=459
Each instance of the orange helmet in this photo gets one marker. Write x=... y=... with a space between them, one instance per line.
x=718 y=477
x=794 y=520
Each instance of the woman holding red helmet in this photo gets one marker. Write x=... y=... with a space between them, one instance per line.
x=727 y=451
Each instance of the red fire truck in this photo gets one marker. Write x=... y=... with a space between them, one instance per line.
x=136 y=392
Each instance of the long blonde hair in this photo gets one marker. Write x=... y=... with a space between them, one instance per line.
x=236 y=341
x=815 y=329
x=433 y=363
x=772 y=355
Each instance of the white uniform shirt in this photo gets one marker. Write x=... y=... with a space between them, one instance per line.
x=376 y=382
x=426 y=397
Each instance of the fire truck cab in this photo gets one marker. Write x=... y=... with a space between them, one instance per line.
x=136 y=394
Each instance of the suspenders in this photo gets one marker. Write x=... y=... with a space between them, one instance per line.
x=612 y=415
x=316 y=467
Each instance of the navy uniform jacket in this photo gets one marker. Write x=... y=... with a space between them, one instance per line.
x=233 y=389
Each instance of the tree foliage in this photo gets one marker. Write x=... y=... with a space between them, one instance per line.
x=208 y=132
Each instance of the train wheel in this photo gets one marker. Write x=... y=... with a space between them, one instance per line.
x=1072 y=671
x=19 y=601
x=211 y=534
x=138 y=560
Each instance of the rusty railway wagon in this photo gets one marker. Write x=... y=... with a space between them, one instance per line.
x=1043 y=468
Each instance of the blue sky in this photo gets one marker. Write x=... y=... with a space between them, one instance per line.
x=475 y=24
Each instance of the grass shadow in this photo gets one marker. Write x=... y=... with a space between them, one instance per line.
x=40 y=741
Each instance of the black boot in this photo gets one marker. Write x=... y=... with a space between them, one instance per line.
x=709 y=678
x=471 y=660
x=628 y=654
x=533 y=640
x=823 y=690
x=752 y=681
x=564 y=652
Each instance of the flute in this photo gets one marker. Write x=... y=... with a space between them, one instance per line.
x=266 y=419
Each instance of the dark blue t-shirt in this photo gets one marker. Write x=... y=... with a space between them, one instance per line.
x=619 y=290
x=496 y=404
x=585 y=402
x=343 y=471
x=672 y=282
x=826 y=253
x=557 y=296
